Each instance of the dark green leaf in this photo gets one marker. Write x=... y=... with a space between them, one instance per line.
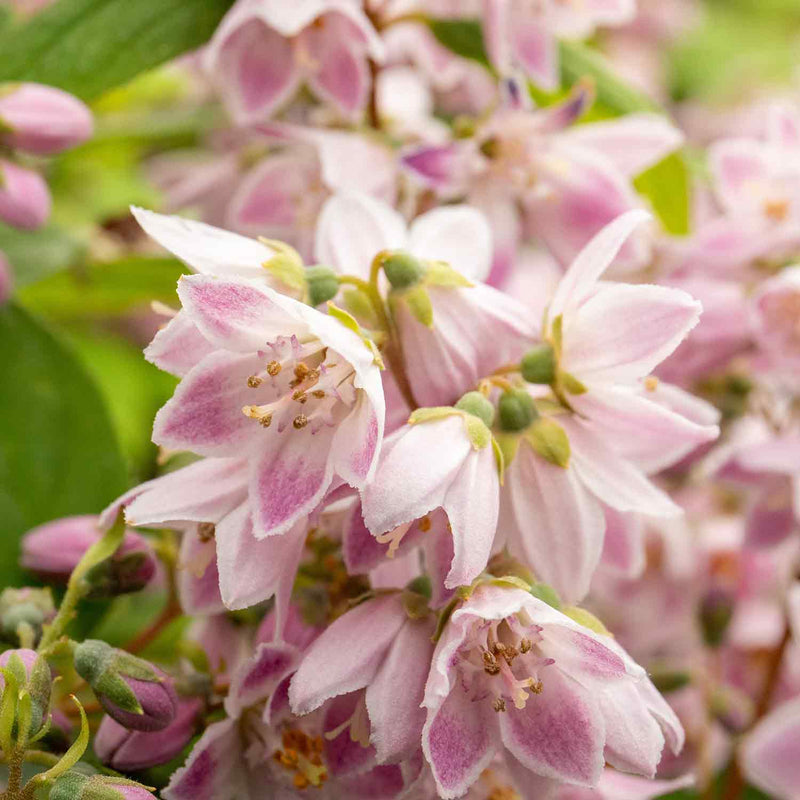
x=58 y=451
x=667 y=186
x=89 y=46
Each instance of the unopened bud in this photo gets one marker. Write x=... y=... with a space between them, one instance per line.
x=76 y=785
x=323 y=284
x=32 y=675
x=539 y=365
x=516 y=410
x=716 y=612
x=131 y=690
x=128 y=751
x=402 y=269
x=42 y=120
x=53 y=550
x=23 y=612
x=24 y=197
x=479 y=406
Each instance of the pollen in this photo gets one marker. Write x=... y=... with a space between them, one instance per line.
x=318 y=393
x=525 y=645
x=425 y=524
x=301 y=370
x=499 y=704
x=254 y=381
x=651 y=383
x=490 y=665
x=776 y=210
x=273 y=368
x=265 y=421
x=299 y=396
x=300 y=421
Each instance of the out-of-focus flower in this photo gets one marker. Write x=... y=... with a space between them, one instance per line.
x=522 y=35
x=264 y=50
x=54 y=549
x=24 y=197
x=127 y=750
x=6 y=279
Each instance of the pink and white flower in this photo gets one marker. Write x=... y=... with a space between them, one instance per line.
x=444 y=458
x=511 y=674
x=472 y=328
x=524 y=35
x=263 y=50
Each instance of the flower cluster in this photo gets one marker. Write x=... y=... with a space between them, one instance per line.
x=477 y=480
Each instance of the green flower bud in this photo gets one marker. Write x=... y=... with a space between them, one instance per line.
x=479 y=406
x=516 y=410
x=323 y=284
x=421 y=585
x=539 y=365
x=402 y=269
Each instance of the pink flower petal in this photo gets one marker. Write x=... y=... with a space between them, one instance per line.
x=560 y=732
x=198 y=578
x=260 y=675
x=178 y=346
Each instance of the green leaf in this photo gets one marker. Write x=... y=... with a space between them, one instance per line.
x=461 y=36
x=667 y=186
x=579 y=61
x=105 y=289
x=58 y=451
x=36 y=254
x=89 y=46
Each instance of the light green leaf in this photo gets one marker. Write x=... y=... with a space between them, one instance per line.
x=89 y=46
x=59 y=454
x=461 y=36
x=349 y=321
x=667 y=186
x=105 y=289
x=36 y=254
x=572 y=384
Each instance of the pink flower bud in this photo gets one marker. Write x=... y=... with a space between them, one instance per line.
x=43 y=120
x=54 y=549
x=135 y=693
x=24 y=197
x=75 y=785
x=6 y=279
x=127 y=751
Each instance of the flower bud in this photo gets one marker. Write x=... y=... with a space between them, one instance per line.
x=132 y=691
x=539 y=365
x=323 y=284
x=23 y=612
x=24 y=197
x=716 y=612
x=78 y=786
x=402 y=269
x=479 y=406
x=6 y=280
x=42 y=120
x=516 y=410
x=127 y=751
x=31 y=674
x=53 y=550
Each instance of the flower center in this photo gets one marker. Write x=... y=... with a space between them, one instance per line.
x=301 y=755
x=501 y=662
x=308 y=386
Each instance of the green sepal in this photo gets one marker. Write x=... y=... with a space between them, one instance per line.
x=547 y=594
x=444 y=617
x=8 y=709
x=323 y=284
x=440 y=273
x=350 y=322
x=670 y=680
x=69 y=787
x=572 y=384
x=550 y=441
x=513 y=581
x=500 y=460
x=507 y=445
x=70 y=758
x=357 y=302
x=419 y=304
x=115 y=688
x=415 y=605
x=479 y=434
x=421 y=585
x=286 y=265
x=585 y=618
x=557 y=334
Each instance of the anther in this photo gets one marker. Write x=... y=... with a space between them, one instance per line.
x=299 y=396
x=266 y=420
x=206 y=531
x=525 y=645
x=651 y=383
x=300 y=421
x=273 y=368
x=536 y=687
x=499 y=704
x=318 y=393
x=301 y=370
x=490 y=666
x=254 y=381
x=425 y=524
